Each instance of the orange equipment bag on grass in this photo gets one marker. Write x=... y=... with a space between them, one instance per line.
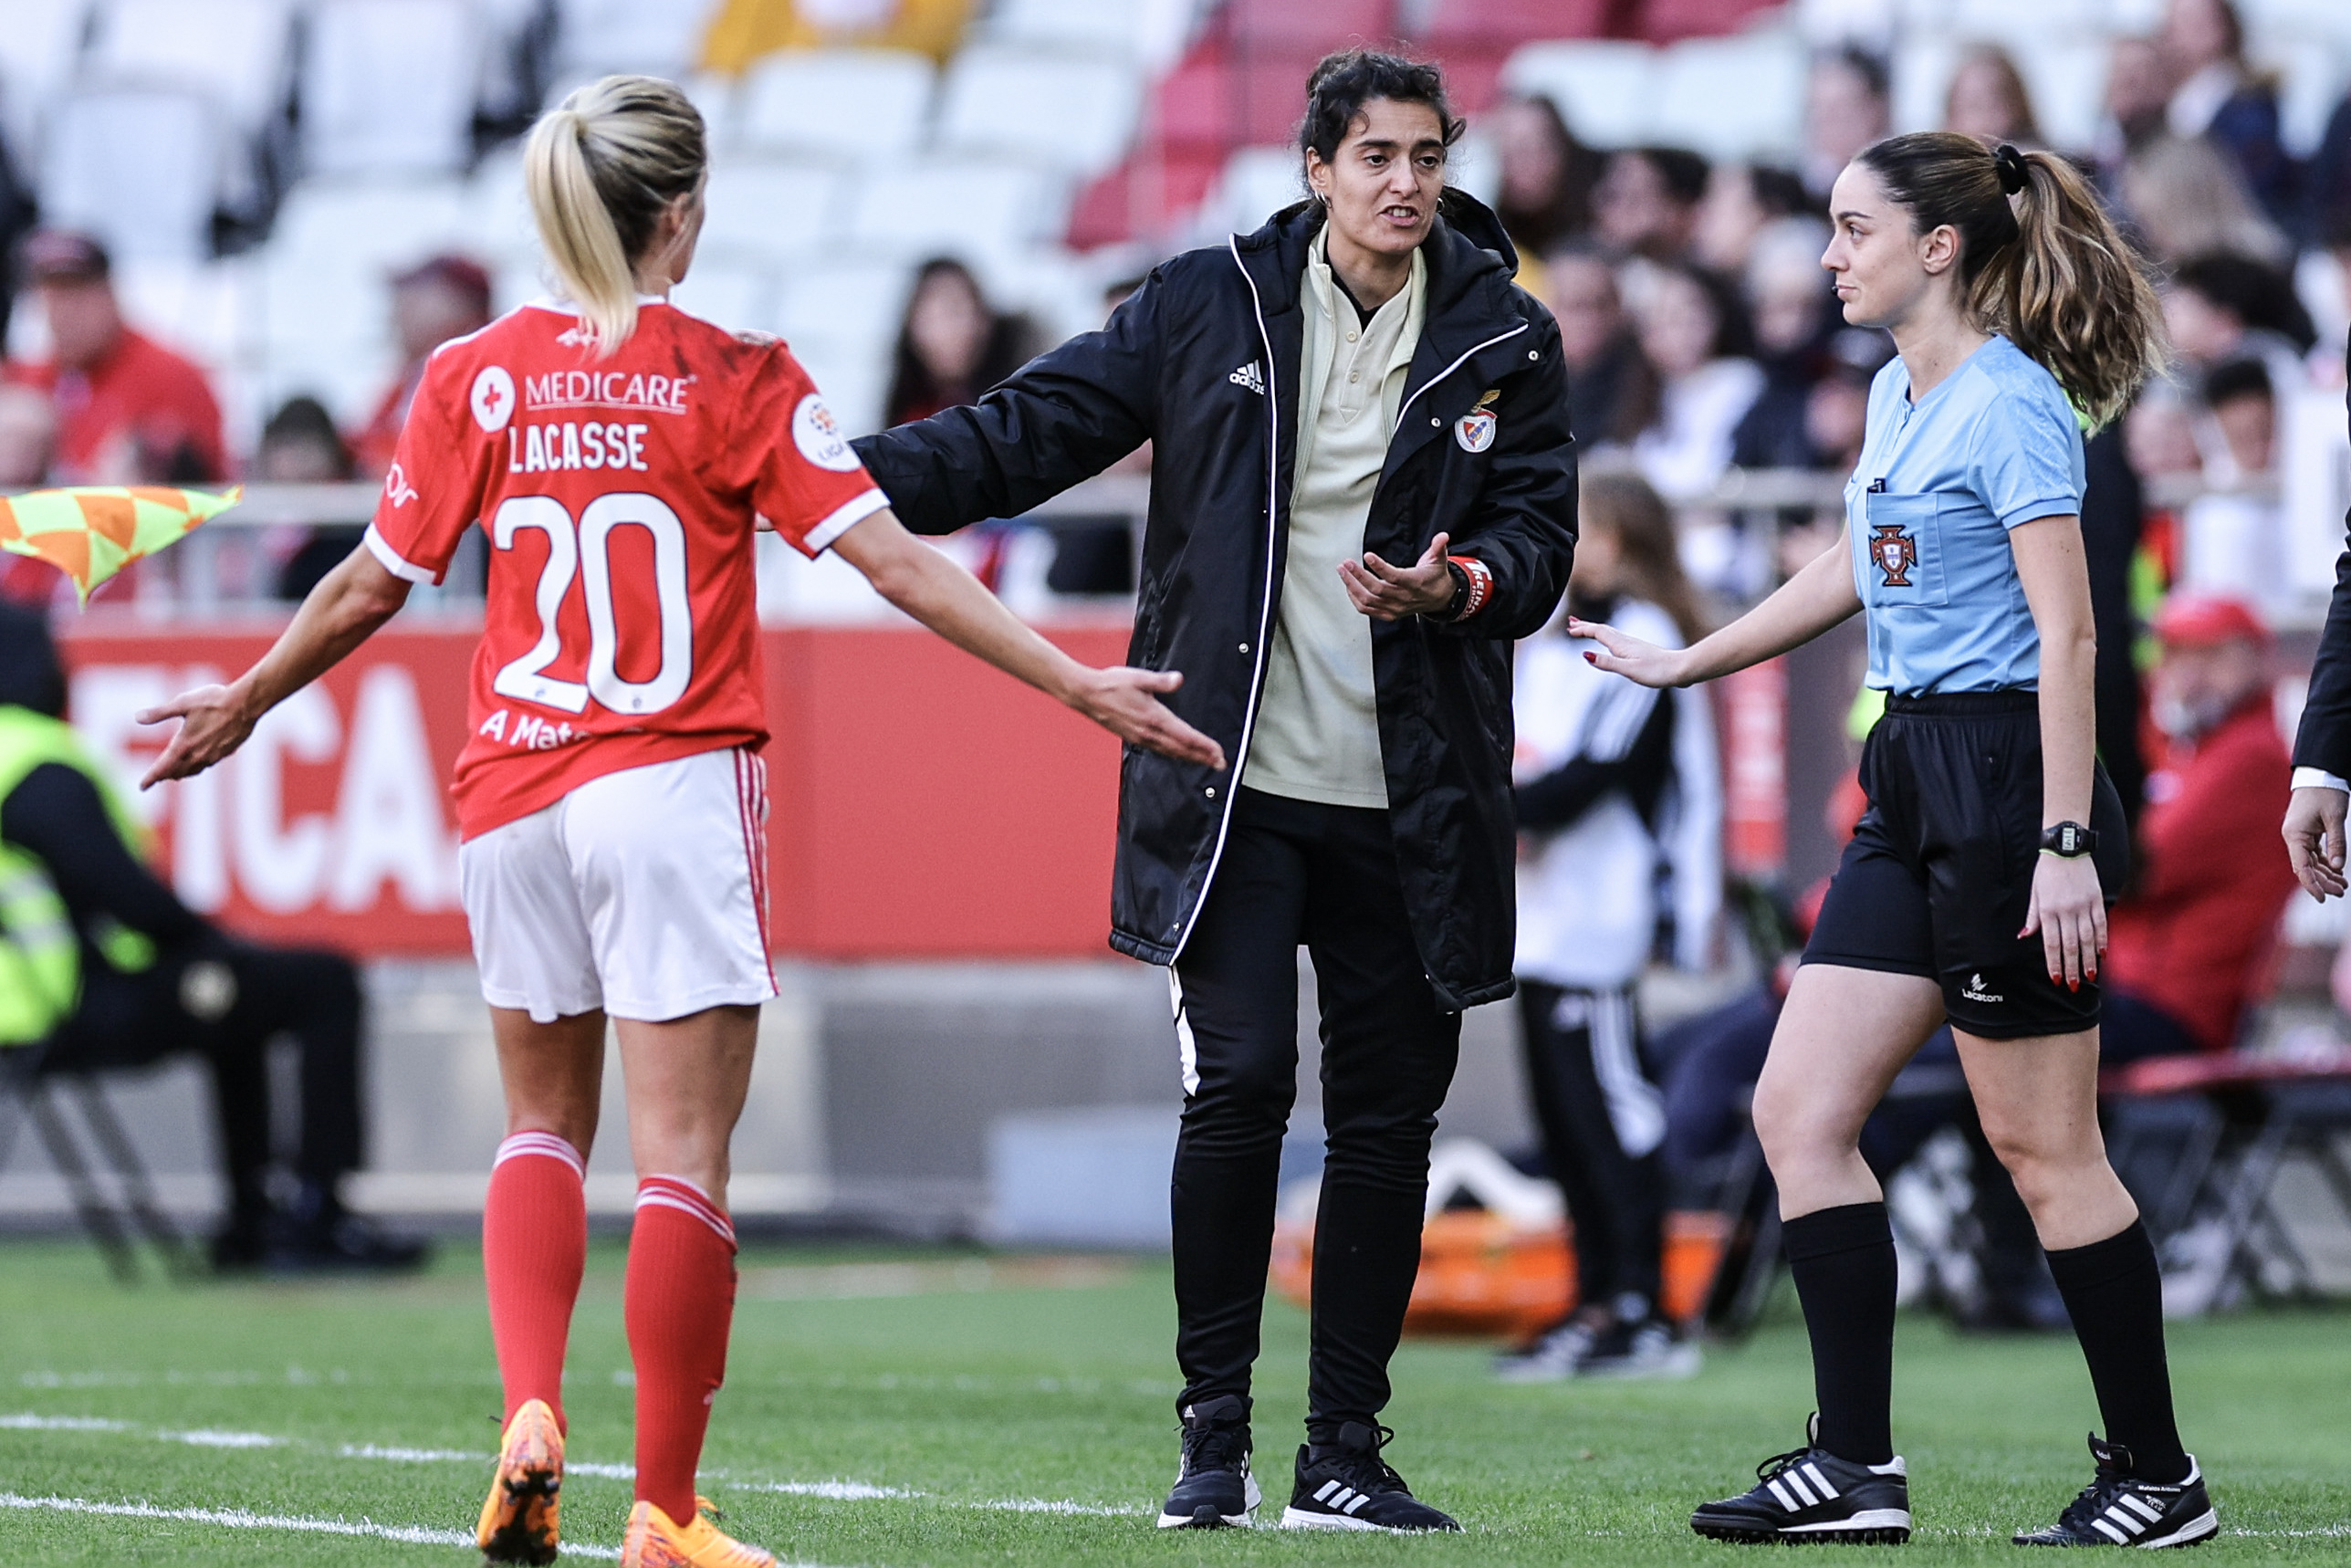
x=1494 y=1253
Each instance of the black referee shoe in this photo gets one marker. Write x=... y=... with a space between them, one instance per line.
x=1810 y=1494
x=1213 y=1485
x=2119 y=1510
x=1347 y=1486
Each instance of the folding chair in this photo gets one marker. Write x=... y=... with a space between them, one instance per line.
x=2266 y=1110
x=32 y=1088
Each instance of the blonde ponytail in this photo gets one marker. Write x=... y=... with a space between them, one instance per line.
x=599 y=171
x=2051 y=272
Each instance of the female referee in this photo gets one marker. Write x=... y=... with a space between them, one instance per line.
x=1972 y=890
x=619 y=453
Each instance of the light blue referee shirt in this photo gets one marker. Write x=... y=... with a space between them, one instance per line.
x=1994 y=444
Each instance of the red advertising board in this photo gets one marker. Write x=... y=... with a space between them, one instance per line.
x=923 y=805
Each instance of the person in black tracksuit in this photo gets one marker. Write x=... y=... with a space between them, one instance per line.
x=205 y=992
x=1356 y=385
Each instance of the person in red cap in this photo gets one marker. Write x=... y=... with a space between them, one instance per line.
x=130 y=411
x=445 y=298
x=2213 y=877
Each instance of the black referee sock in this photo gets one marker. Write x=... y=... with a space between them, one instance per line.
x=2114 y=1290
x=1842 y=1259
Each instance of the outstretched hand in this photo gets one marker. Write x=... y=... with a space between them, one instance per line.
x=1387 y=593
x=1122 y=700
x=2314 y=839
x=213 y=723
x=1645 y=663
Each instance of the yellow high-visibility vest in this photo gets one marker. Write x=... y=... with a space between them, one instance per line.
x=40 y=959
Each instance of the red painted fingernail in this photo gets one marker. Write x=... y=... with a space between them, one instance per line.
x=1591 y=658
x=2073 y=984
x=2092 y=976
x=2055 y=977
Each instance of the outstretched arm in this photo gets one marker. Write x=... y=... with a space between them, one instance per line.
x=948 y=599
x=340 y=613
x=1800 y=609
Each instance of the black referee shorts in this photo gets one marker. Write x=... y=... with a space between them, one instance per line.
x=1939 y=877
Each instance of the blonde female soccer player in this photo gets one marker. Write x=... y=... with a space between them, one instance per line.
x=619 y=453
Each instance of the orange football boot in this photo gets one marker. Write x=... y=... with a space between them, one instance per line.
x=519 y=1522
x=656 y=1541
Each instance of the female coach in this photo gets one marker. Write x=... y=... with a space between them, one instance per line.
x=1974 y=889
x=619 y=454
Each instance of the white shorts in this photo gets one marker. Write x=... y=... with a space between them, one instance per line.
x=643 y=892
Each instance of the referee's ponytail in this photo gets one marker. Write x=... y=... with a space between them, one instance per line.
x=2039 y=257
x=599 y=171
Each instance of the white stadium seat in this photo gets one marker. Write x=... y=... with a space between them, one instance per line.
x=140 y=168
x=860 y=103
x=764 y=211
x=2018 y=22
x=957 y=206
x=1921 y=79
x=239 y=52
x=740 y=298
x=1256 y=184
x=1605 y=89
x=842 y=317
x=658 y=38
x=39 y=48
x=1151 y=32
x=2067 y=80
x=499 y=221
x=1732 y=98
x=325 y=304
x=389 y=87
x=1827 y=23
x=1066 y=111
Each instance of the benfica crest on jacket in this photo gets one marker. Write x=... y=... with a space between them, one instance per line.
x=1895 y=552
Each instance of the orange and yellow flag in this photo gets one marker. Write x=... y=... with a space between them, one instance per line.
x=89 y=532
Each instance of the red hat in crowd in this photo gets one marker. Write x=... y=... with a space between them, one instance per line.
x=2207 y=620
x=463 y=273
x=61 y=256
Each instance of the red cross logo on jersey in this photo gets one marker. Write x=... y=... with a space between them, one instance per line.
x=491 y=398
x=1895 y=552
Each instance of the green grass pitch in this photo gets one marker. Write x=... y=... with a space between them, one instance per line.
x=942 y=1410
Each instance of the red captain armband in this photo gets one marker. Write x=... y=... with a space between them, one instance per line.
x=1481 y=583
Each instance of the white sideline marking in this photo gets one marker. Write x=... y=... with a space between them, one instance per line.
x=239 y=1518
x=835 y=1491
x=829 y=1491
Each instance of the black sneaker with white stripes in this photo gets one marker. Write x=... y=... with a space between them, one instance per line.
x=2120 y=1509
x=1214 y=1486
x=1810 y=1494
x=1347 y=1486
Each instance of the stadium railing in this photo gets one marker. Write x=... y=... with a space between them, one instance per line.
x=217 y=569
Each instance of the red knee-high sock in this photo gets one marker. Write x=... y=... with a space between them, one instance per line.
x=534 y=1248
x=680 y=1305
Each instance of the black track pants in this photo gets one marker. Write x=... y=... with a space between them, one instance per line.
x=1294 y=871
x=1602 y=1121
x=132 y=1020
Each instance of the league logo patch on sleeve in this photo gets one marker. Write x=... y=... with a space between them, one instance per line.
x=1474 y=429
x=1895 y=552
x=817 y=435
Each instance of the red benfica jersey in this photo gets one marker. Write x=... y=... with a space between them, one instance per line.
x=619 y=498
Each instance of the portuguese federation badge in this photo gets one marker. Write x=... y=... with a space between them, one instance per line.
x=89 y=532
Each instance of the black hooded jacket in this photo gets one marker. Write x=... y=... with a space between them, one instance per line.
x=1203 y=362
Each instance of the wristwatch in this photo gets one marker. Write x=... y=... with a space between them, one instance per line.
x=2069 y=840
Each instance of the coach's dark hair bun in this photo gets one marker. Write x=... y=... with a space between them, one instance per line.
x=1344 y=82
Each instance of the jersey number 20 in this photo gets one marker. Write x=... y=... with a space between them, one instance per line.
x=585 y=551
